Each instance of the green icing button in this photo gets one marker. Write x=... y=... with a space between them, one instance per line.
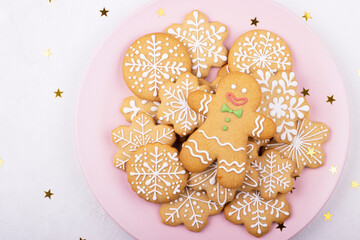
x=227 y=119
x=224 y=128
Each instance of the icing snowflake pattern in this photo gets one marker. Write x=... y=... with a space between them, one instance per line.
x=309 y=135
x=133 y=105
x=203 y=40
x=256 y=213
x=191 y=208
x=156 y=174
x=275 y=174
x=174 y=108
x=281 y=103
x=259 y=49
x=151 y=61
x=141 y=132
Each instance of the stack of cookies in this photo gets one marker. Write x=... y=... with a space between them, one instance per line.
x=234 y=144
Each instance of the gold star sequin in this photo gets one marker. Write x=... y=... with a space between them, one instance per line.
x=281 y=226
x=331 y=99
x=311 y=151
x=58 y=93
x=307 y=16
x=160 y=12
x=104 y=12
x=254 y=22
x=1 y=162
x=327 y=216
x=305 y=92
x=354 y=184
x=47 y=53
x=48 y=194
x=333 y=169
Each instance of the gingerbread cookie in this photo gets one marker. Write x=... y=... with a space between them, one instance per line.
x=152 y=60
x=259 y=49
x=281 y=103
x=131 y=106
x=203 y=40
x=174 y=108
x=274 y=174
x=192 y=209
x=141 y=132
x=256 y=213
x=155 y=173
x=305 y=149
x=231 y=119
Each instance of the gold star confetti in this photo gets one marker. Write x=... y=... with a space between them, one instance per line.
x=254 y=22
x=354 y=184
x=104 y=12
x=311 y=151
x=47 y=53
x=160 y=12
x=331 y=99
x=327 y=216
x=58 y=93
x=48 y=194
x=305 y=92
x=281 y=226
x=1 y=162
x=333 y=169
x=307 y=16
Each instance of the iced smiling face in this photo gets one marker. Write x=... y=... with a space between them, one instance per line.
x=239 y=91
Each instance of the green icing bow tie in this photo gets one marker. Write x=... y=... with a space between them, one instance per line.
x=225 y=108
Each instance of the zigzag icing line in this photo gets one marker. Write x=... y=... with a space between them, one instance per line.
x=222 y=144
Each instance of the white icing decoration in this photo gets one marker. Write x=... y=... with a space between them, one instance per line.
x=222 y=144
x=244 y=90
x=233 y=86
x=204 y=105
x=204 y=161
x=133 y=108
x=261 y=53
x=201 y=42
x=259 y=121
x=239 y=168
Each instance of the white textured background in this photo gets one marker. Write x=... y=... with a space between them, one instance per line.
x=37 y=140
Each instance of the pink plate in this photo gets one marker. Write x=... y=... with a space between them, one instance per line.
x=102 y=92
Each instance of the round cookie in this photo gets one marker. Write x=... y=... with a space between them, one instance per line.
x=256 y=213
x=231 y=119
x=155 y=173
x=305 y=149
x=174 y=108
x=259 y=49
x=152 y=60
x=204 y=41
x=132 y=105
x=191 y=208
x=141 y=132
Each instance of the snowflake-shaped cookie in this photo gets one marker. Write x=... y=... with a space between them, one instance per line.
x=174 y=108
x=275 y=174
x=305 y=149
x=192 y=208
x=203 y=40
x=256 y=213
x=281 y=103
x=155 y=173
x=131 y=106
x=152 y=60
x=259 y=49
x=141 y=132
x=206 y=180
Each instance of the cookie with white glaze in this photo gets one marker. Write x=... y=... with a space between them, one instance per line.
x=155 y=173
x=132 y=105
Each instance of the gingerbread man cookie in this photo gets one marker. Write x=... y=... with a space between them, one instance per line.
x=256 y=213
x=174 y=108
x=203 y=40
x=192 y=209
x=231 y=119
x=141 y=132
x=259 y=49
x=152 y=60
x=155 y=173
x=131 y=106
